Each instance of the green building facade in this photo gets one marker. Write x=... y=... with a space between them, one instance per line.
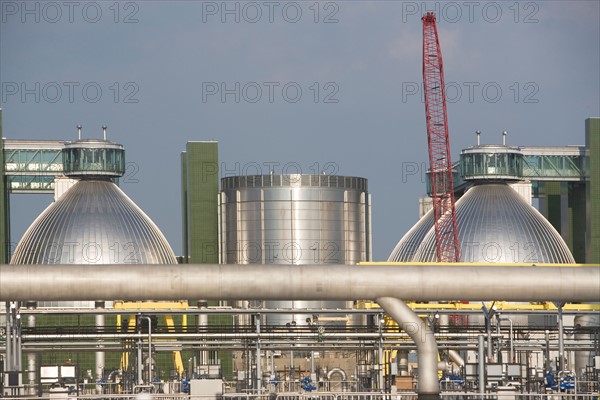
x=200 y=188
x=592 y=143
x=199 y=193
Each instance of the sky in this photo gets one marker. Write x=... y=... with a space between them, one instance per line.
x=293 y=86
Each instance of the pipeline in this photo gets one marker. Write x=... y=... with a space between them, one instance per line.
x=277 y=282
x=385 y=284
x=456 y=358
x=336 y=370
x=427 y=351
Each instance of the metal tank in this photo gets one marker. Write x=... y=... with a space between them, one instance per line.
x=93 y=222
x=295 y=220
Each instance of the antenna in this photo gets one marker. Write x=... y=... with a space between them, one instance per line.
x=79 y=132
x=478 y=133
x=504 y=138
x=104 y=131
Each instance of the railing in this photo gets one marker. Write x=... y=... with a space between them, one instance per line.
x=502 y=395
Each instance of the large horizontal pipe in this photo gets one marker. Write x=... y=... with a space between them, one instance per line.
x=276 y=282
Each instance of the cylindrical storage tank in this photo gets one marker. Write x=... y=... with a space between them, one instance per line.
x=295 y=220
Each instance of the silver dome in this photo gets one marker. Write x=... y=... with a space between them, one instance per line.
x=94 y=222
x=494 y=225
x=407 y=247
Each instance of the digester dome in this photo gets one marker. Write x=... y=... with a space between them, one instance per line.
x=495 y=224
x=94 y=222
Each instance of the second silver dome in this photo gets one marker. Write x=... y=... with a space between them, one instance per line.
x=495 y=225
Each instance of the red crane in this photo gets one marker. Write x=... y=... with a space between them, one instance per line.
x=440 y=163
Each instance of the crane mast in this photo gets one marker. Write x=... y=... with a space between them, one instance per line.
x=440 y=163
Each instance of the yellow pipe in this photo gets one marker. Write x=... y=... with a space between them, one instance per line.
x=125 y=354
x=177 y=360
x=500 y=306
x=478 y=264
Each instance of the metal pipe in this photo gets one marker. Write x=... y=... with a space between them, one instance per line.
x=454 y=356
x=547 y=350
x=427 y=282
x=8 y=331
x=191 y=346
x=99 y=354
x=31 y=359
x=481 y=362
x=359 y=336
x=149 y=348
x=258 y=366
x=202 y=324
x=15 y=335
x=380 y=381
x=427 y=352
x=490 y=347
x=140 y=378
x=68 y=341
x=19 y=352
x=510 y=333
x=337 y=370
x=561 y=344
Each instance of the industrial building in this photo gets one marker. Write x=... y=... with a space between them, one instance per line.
x=239 y=313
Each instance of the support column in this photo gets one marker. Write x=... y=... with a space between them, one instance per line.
x=561 y=342
x=481 y=362
x=258 y=366
x=5 y=246
x=380 y=381
x=9 y=346
x=202 y=326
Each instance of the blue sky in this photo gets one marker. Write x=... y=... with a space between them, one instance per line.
x=531 y=68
